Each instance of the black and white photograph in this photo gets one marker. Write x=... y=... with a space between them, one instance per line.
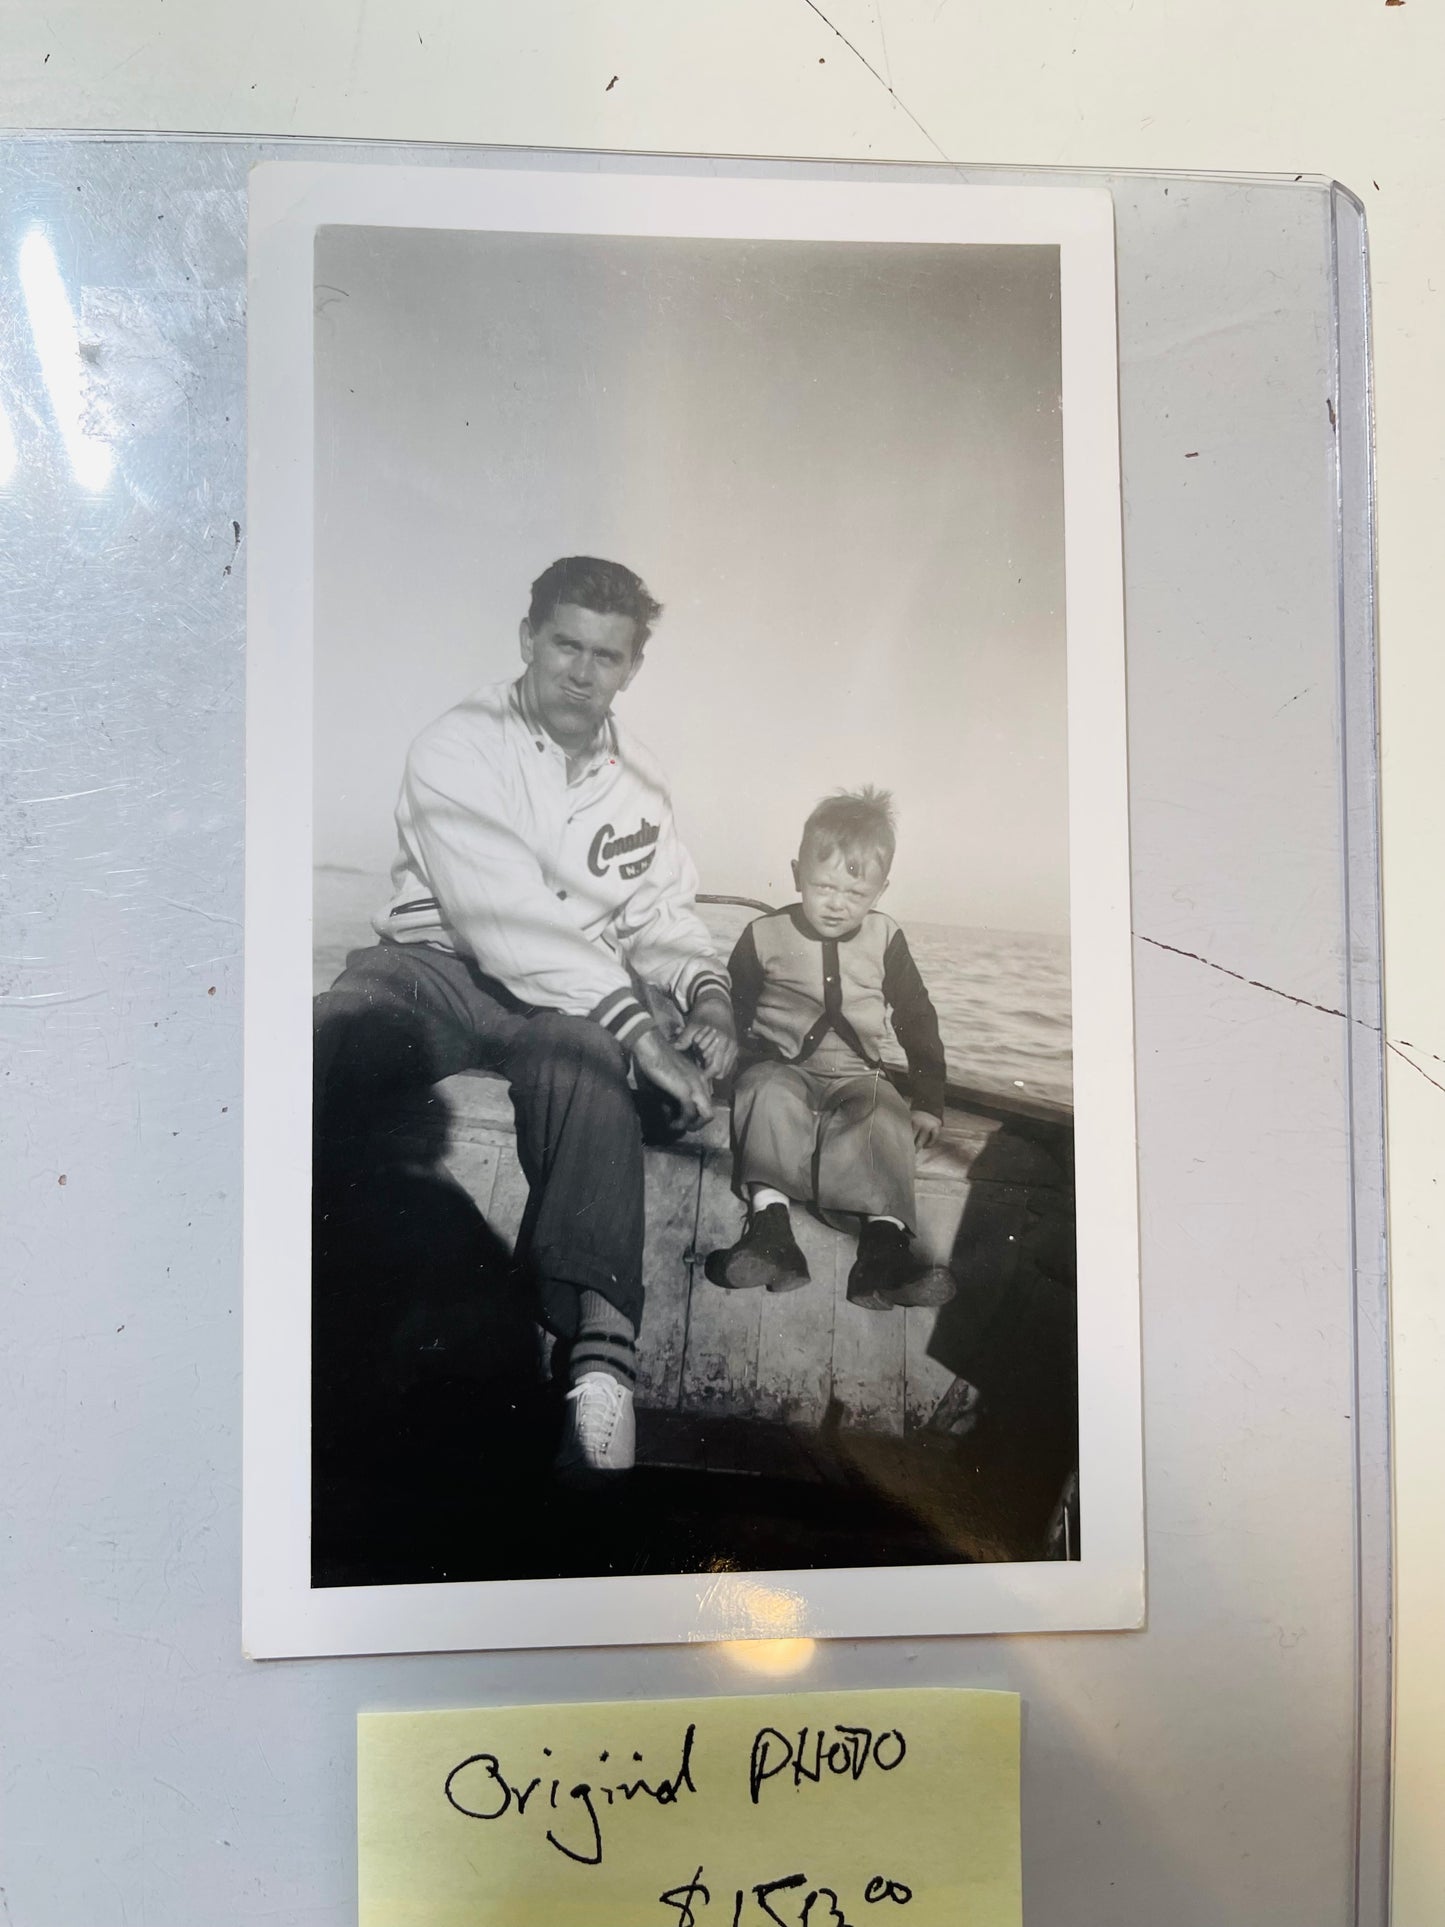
x=690 y=1191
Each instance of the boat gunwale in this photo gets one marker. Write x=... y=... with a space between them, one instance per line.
x=1043 y=1115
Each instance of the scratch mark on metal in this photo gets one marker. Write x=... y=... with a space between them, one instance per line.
x=195 y=910
x=134 y=54
x=43 y=999
x=882 y=82
x=1292 y=700
x=1400 y=1049
x=69 y=796
x=170 y=1788
x=357 y=36
x=1403 y=1043
x=883 y=39
x=1400 y=1046
x=1193 y=956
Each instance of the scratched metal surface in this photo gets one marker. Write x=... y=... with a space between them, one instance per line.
x=1205 y=1771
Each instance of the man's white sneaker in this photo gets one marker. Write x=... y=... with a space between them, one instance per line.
x=599 y=1435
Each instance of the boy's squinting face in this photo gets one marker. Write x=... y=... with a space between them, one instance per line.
x=838 y=887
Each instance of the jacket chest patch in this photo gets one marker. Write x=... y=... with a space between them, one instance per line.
x=632 y=852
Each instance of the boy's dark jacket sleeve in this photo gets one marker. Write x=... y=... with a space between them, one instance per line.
x=916 y=1022
x=746 y=973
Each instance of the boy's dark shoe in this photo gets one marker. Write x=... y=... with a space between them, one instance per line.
x=765 y=1257
x=888 y=1272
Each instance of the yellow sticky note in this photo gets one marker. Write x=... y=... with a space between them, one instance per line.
x=805 y=1810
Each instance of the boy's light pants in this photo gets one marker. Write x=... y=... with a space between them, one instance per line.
x=840 y=1140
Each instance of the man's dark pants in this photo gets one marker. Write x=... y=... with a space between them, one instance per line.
x=400 y=1016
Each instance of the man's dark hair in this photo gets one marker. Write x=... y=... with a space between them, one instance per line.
x=606 y=588
x=852 y=824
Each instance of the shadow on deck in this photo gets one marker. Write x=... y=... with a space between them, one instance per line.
x=774 y=1432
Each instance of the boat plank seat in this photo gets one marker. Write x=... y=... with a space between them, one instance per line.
x=986 y=1192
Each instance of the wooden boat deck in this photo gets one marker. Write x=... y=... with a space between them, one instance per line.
x=993 y=1194
x=773 y=1432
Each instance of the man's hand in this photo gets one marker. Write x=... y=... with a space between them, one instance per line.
x=710 y=1032
x=664 y=1065
x=926 y=1128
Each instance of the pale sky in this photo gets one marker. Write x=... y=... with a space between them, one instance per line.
x=837 y=465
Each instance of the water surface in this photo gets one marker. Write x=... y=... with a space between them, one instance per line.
x=1002 y=996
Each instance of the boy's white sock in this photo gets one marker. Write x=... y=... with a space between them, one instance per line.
x=760 y=1196
x=882 y=1217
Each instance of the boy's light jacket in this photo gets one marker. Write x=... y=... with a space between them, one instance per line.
x=829 y=1002
x=561 y=893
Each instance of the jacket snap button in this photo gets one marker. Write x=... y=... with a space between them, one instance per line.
x=561 y=893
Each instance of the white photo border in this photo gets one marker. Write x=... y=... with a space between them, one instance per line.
x=282 y=1614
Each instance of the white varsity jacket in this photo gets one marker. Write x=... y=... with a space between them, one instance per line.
x=562 y=893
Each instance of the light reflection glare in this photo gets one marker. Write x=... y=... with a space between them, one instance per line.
x=9 y=455
x=775 y=1617
x=57 y=348
x=774 y=1658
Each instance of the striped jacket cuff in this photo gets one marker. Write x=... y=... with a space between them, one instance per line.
x=622 y=1015
x=708 y=980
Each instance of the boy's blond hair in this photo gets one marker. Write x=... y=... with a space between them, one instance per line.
x=854 y=823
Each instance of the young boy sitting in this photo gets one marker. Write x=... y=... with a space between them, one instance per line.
x=815 y=1117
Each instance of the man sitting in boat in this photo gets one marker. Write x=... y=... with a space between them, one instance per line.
x=814 y=1116
x=539 y=883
